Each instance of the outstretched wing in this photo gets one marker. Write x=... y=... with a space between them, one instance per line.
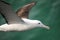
x=9 y=14
x=24 y=11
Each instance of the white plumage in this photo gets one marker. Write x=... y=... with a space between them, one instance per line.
x=20 y=23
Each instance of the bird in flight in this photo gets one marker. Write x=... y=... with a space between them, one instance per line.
x=18 y=21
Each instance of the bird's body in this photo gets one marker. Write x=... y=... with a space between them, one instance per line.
x=14 y=27
x=29 y=24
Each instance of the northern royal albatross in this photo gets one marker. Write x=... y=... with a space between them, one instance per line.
x=18 y=21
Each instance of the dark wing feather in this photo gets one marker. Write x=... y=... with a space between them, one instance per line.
x=9 y=14
x=24 y=11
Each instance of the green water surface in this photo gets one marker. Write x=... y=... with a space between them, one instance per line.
x=48 y=11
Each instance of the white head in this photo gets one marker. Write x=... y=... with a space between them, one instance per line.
x=35 y=23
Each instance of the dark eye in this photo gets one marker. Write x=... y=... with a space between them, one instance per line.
x=38 y=23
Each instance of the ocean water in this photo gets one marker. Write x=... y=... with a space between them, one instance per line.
x=48 y=11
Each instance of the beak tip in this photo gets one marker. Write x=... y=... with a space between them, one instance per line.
x=48 y=27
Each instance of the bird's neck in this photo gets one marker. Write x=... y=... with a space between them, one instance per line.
x=28 y=21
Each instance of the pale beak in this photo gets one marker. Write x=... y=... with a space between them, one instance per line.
x=44 y=26
x=47 y=27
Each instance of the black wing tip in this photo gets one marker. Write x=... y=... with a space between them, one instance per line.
x=4 y=17
x=4 y=2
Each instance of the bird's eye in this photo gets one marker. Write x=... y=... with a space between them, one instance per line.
x=38 y=23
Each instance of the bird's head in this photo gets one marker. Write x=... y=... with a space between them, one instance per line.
x=35 y=23
x=38 y=23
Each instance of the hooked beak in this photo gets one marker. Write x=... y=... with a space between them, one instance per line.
x=44 y=26
x=47 y=27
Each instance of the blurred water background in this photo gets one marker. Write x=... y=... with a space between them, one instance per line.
x=48 y=11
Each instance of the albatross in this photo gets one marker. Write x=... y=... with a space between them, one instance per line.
x=18 y=21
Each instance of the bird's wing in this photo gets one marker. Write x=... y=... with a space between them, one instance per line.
x=9 y=14
x=24 y=11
